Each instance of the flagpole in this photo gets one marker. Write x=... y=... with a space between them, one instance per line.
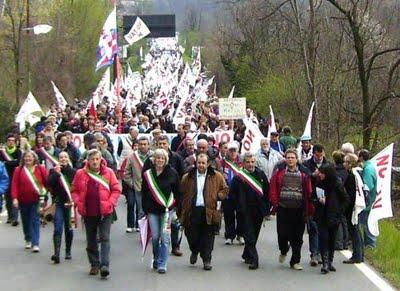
x=117 y=76
x=28 y=44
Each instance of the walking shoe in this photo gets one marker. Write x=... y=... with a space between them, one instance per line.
x=240 y=240
x=136 y=229
x=129 y=230
x=176 y=252
x=28 y=245
x=331 y=267
x=93 y=271
x=15 y=223
x=253 y=266
x=8 y=221
x=229 y=241
x=68 y=255
x=313 y=262
x=282 y=258
x=55 y=259
x=35 y=249
x=161 y=271
x=193 y=258
x=296 y=267
x=207 y=266
x=104 y=272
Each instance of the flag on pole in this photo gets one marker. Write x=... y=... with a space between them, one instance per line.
x=138 y=31
x=145 y=233
x=252 y=137
x=29 y=112
x=108 y=46
x=382 y=206
x=271 y=125
x=60 y=100
x=231 y=94
x=307 y=129
x=42 y=29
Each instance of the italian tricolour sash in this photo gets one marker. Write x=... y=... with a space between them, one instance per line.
x=138 y=160
x=40 y=190
x=159 y=196
x=99 y=179
x=5 y=155
x=246 y=177
x=67 y=187
x=52 y=159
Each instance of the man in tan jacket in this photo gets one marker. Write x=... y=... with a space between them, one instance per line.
x=202 y=187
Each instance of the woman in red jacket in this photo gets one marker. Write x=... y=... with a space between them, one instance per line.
x=28 y=193
x=95 y=191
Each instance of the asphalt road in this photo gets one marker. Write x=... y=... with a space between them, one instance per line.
x=22 y=270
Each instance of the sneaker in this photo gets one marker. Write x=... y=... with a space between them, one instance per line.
x=129 y=230
x=253 y=266
x=296 y=267
x=15 y=223
x=240 y=240
x=136 y=229
x=154 y=264
x=282 y=258
x=35 y=249
x=229 y=241
x=104 y=272
x=28 y=245
x=161 y=271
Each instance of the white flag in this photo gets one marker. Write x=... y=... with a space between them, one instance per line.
x=61 y=102
x=359 y=204
x=252 y=137
x=42 y=28
x=307 y=129
x=272 y=126
x=231 y=94
x=29 y=112
x=102 y=88
x=138 y=31
x=382 y=206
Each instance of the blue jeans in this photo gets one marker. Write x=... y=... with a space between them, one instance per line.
x=312 y=229
x=62 y=219
x=369 y=238
x=139 y=207
x=356 y=241
x=160 y=239
x=132 y=209
x=30 y=222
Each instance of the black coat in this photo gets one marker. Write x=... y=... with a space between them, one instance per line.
x=350 y=186
x=58 y=192
x=336 y=202
x=168 y=182
x=341 y=172
x=12 y=165
x=175 y=161
x=246 y=199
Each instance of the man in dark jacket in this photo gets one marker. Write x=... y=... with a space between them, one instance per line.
x=11 y=156
x=313 y=164
x=178 y=142
x=202 y=188
x=250 y=190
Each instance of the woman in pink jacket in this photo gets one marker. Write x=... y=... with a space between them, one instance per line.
x=95 y=191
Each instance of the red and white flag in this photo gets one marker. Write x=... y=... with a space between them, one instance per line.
x=382 y=206
x=60 y=100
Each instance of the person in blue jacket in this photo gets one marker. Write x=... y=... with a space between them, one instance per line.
x=4 y=182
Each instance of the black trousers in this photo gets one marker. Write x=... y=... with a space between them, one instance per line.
x=252 y=221
x=233 y=225
x=327 y=240
x=11 y=210
x=290 y=226
x=200 y=235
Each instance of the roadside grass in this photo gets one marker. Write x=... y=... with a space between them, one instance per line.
x=386 y=257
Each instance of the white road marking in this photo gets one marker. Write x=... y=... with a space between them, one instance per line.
x=371 y=274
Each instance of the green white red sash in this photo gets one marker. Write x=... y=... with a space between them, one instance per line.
x=5 y=155
x=52 y=159
x=129 y=142
x=138 y=160
x=156 y=192
x=66 y=186
x=40 y=190
x=160 y=198
x=99 y=179
x=246 y=177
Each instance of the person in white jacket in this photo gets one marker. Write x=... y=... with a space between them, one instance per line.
x=267 y=158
